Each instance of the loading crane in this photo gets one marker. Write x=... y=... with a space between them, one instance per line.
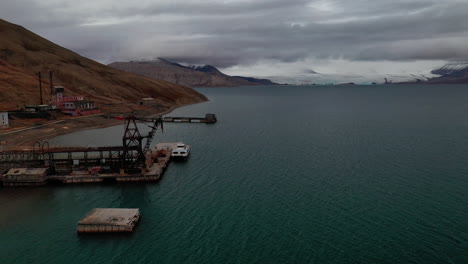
x=129 y=158
x=132 y=141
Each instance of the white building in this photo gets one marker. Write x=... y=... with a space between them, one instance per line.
x=4 y=120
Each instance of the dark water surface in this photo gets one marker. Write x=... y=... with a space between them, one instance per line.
x=351 y=174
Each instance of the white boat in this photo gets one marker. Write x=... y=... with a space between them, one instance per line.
x=181 y=151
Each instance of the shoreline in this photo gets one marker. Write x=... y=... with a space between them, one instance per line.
x=25 y=138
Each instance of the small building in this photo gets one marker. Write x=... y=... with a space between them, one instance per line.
x=4 y=123
x=210 y=118
x=82 y=107
x=146 y=101
x=38 y=108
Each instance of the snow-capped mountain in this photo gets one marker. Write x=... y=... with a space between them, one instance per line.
x=300 y=79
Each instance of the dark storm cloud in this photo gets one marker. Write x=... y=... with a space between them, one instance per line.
x=226 y=33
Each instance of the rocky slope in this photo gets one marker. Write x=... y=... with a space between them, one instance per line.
x=23 y=54
x=451 y=73
x=193 y=76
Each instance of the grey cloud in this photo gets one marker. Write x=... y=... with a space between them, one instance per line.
x=244 y=32
x=211 y=9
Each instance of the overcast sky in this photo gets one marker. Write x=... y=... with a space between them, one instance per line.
x=257 y=37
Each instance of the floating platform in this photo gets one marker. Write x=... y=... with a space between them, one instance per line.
x=25 y=177
x=107 y=220
x=209 y=118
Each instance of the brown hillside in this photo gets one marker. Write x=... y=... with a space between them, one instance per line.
x=171 y=72
x=23 y=54
x=202 y=76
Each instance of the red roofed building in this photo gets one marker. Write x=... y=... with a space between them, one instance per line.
x=72 y=105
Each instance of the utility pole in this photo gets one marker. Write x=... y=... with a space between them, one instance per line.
x=40 y=87
x=51 y=83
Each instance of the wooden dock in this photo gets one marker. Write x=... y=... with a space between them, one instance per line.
x=209 y=118
x=106 y=220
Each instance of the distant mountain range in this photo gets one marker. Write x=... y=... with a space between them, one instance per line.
x=210 y=76
x=193 y=76
x=451 y=73
x=326 y=79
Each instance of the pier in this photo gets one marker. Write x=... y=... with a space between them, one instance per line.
x=81 y=165
x=131 y=162
x=209 y=118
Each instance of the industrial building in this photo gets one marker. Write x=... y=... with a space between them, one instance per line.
x=72 y=105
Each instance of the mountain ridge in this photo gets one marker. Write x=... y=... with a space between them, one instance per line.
x=455 y=72
x=192 y=75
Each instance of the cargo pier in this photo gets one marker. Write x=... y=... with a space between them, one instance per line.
x=209 y=118
x=134 y=161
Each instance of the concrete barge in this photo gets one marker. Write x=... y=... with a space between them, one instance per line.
x=106 y=220
x=25 y=177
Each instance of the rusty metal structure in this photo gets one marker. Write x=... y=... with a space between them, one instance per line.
x=40 y=87
x=128 y=158
x=132 y=142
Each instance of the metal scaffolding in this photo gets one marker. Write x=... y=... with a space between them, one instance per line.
x=130 y=157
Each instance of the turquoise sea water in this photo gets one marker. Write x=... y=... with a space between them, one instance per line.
x=335 y=174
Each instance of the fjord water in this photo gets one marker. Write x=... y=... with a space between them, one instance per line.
x=316 y=174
